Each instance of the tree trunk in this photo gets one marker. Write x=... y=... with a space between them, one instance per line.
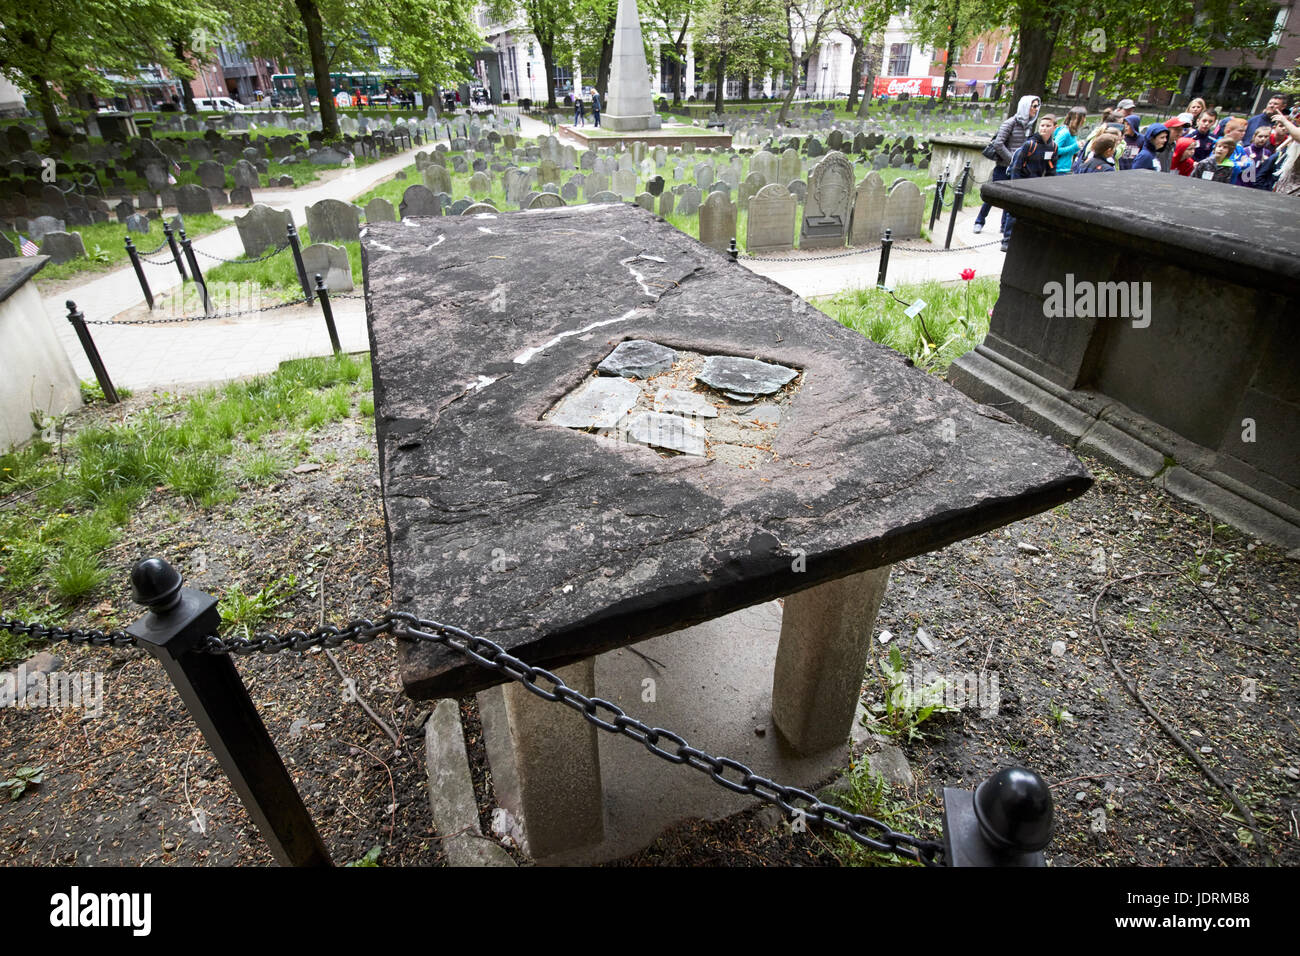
x=789 y=95
x=60 y=135
x=303 y=92
x=868 y=80
x=187 y=94
x=719 y=82
x=548 y=64
x=744 y=87
x=329 y=117
x=855 y=73
x=1035 y=43
x=679 y=48
x=606 y=57
x=948 y=70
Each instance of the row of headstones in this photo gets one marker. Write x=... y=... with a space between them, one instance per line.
x=63 y=246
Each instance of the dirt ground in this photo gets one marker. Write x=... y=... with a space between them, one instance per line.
x=1208 y=631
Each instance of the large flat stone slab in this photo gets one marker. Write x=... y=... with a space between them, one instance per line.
x=559 y=545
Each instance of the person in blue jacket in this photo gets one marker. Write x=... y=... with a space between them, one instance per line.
x=1153 y=140
x=1067 y=139
x=1130 y=146
x=1036 y=157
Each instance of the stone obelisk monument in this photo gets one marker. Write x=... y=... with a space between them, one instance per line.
x=629 y=106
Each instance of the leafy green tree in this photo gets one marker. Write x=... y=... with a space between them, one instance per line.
x=862 y=21
x=949 y=24
x=672 y=18
x=806 y=22
x=736 y=38
x=552 y=23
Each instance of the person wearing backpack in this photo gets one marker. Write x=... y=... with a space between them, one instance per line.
x=1036 y=157
x=1010 y=137
x=1068 y=144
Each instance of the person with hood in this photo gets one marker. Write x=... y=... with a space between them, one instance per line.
x=1176 y=126
x=1184 y=153
x=1102 y=159
x=1067 y=139
x=1131 y=145
x=1009 y=138
x=1154 y=139
x=1035 y=158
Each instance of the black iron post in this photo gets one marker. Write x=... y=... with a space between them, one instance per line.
x=939 y=188
x=885 y=244
x=1005 y=821
x=188 y=245
x=956 y=208
x=134 y=253
x=298 y=263
x=176 y=252
x=78 y=321
x=965 y=177
x=173 y=631
x=733 y=250
x=323 y=294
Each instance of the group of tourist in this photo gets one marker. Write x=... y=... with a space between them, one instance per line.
x=1259 y=152
x=580 y=108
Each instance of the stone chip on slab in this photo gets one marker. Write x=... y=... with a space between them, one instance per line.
x=638 y=359
x=742 y=376
x=676 y=401
x=598 y=403
x=667 y=431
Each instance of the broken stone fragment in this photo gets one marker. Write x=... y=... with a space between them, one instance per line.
x=741 y=376
x=675 y=401
x=599 y=403
x=667 y=431
x=638 y=359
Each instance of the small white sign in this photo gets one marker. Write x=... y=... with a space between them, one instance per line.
x=914 y=309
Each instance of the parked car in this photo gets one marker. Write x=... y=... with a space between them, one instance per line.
x=217 y=103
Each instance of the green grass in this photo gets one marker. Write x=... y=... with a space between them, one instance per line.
x=110 y=238
x=241 y=612
x=61 y=510
x=954 y=329
x=867 y=793
x=279 y=275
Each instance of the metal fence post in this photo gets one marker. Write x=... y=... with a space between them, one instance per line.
x=297 y=261
x=176 y=252
x=173 y=631
x=1005 y=821
x=188 y=245
x=78 y=321
x=323 y=294
x=965 y=176
x=939 y=188
x=885 y=244
x=134 y=253
x=956 y=208
x=733 y=250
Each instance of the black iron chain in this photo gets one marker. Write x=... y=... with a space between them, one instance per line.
x=862 y=250
x=724 y=771
x=197 y=318
x=243 y=262
x=159 y=248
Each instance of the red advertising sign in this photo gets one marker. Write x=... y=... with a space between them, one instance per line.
x=914 y=85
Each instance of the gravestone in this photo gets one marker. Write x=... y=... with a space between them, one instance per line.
x=458 y=164
x=867 y=225
x=380 y=210
x=245 y=174
x=791 y=166
x=666 y=202
x=625 y=183
x=193 y=200
x=546 y=201
x=717 y=222
x=63 y=246
x=704 y=175
x=830 y=197
x=331 y=220
x=772 y=212
x=688 y=203
x=437 y=179
x=604 y=197
x=329 y=156
x=212 y=175
x=766 y=165
x=38 y=227
x=241 y=196
x=480 y=184
x=137 y=223
x=595 y=183
x=481 y=208
x=263 y=228
x=460 y=205
x=419 y=201
x=904 y=210
x=330 y=263
x=646 y=201
x=569 y=191
x=548 y=172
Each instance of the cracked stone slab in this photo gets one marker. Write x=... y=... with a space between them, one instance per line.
x=599 y=403
x=744 y=376
x=667 y=431
x=638 y=359
x=558 y=546
x=676 y=401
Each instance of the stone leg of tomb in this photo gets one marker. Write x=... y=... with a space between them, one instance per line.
x=821 y=659
x=557 y=765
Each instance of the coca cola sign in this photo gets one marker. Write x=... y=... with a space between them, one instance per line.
x=912 y=85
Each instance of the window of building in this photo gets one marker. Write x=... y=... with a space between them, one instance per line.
x=900 y=58
x=1074 y=86
x=979 y=53
x=997 y=52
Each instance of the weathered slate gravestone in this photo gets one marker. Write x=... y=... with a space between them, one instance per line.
x=791 y=166
x=480 y=184
x=655 y=185
x=625 y=183
x=437 y=178
x=717 y=222
x=765 y=164
x=63 y=246
x=38 y=227
x=380 y=210
x=548 y=171
x=646 y=201
x=329 y=156
x=772 y=212
x=569 y=191
x=481 y=208
x=597 y=182
x=704 y=174
x=245 y=174
x=241 y=196
x=830 y=196
x=546 y=201
x=460 y=205
x=605 y=197
x=193 y=200
x=137 y=223
x=330 y=262
x=263 y=228
x=688 y=201
x=904 y=210
x=212 y=175
x=331 y=220
x=419 y=200
x=868 y=221
x=458 y=164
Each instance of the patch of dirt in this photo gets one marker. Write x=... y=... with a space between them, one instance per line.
x=138 y=785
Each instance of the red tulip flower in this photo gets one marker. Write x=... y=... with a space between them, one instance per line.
x=968 y=274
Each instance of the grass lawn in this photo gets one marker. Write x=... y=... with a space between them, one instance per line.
x=106 y=246
x=279 y=274
x=956 y=318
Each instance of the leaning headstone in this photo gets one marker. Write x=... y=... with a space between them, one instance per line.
x=419 y=201
x=263 y=228
x=868 y=219
x=331 y=220
x=380 y=210
x=717 y=222
x=63 y=246
x=771 y=220
x=904 y=210
x=330 y=263
x=193 y=200
x=830 y=197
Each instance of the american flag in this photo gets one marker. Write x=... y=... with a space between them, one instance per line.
x=28 y=247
